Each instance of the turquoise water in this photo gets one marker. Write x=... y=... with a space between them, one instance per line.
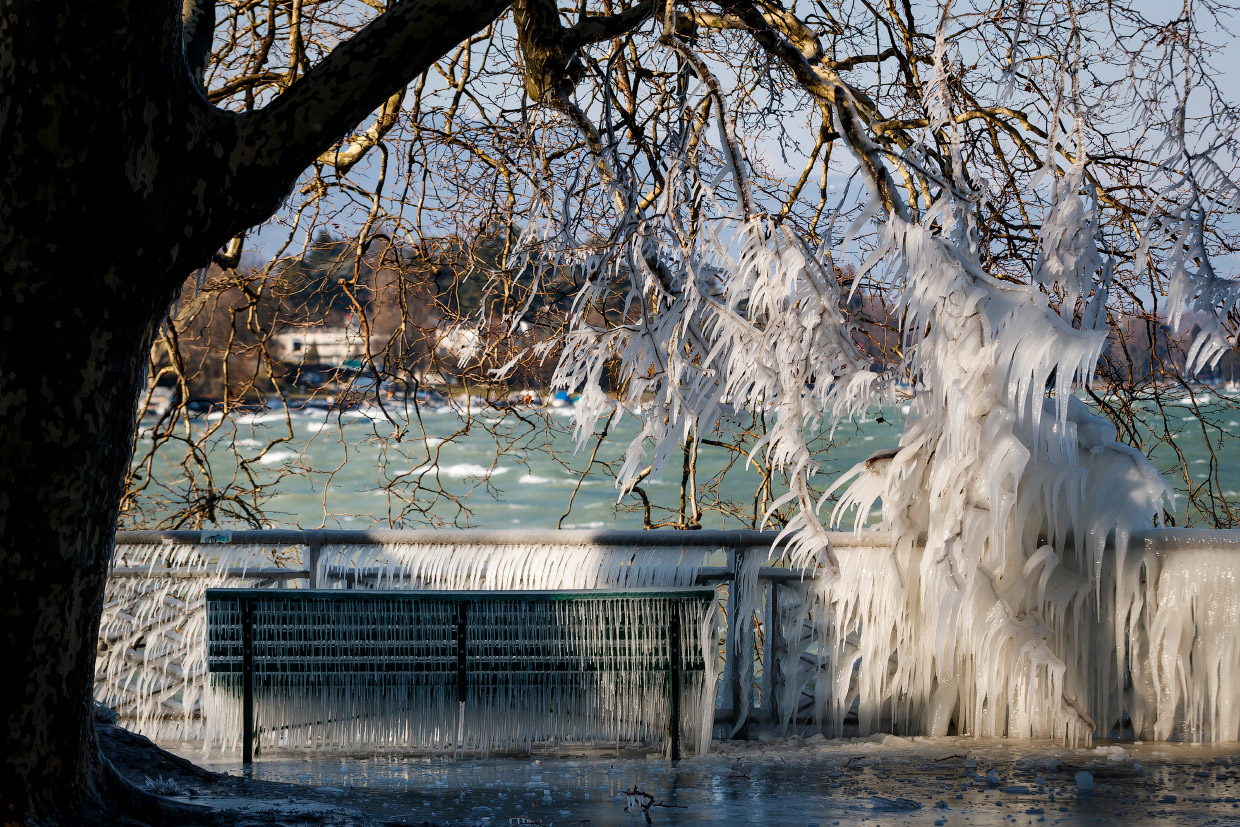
x=519 y=468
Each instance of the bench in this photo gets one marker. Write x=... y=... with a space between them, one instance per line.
x=466 y=670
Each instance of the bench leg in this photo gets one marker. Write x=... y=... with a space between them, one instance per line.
x=247 y=683
x=673 y=680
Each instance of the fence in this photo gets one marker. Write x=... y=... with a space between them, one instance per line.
x=151 y=665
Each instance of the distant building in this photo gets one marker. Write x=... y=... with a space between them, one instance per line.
x=320 y=345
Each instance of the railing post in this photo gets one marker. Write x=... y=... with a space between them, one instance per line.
x=769 y=627
x=313 y=550
x=738 y=562
x=774 y=634
x=247 y=682
x=462 y=636
x=673 y=679
x=462 y=671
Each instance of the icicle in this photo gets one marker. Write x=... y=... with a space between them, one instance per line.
x=540 y=672
x=151 y=664
x=161 y=688
x=517 y=566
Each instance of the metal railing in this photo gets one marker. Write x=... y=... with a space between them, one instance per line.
x=741 y=699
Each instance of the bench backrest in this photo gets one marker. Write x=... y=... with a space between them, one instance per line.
x=379 y=666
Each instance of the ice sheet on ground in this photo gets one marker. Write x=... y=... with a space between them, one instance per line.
x=812 y=781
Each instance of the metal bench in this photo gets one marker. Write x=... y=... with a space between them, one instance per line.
x=476 y=670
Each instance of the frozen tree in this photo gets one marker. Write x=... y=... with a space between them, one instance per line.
x=504 y=127
x=708 y=188
x=1017 y=179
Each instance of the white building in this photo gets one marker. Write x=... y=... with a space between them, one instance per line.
x=320 y=345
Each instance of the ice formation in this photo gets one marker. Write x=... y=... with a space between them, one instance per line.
x=347 y=669
x=848 y=653
x=1010 y=599
x=1010 y=602
x=152 y=657
x=1182 y=610
x=151 y=661
x=516 y=565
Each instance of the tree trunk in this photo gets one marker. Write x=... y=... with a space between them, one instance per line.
x=89 y=194
x=117 y=179
x=67 y=401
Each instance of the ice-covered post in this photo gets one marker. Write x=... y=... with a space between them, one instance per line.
x=770 y=653
x=462 y=671
x=731 y=661
x=313 y=552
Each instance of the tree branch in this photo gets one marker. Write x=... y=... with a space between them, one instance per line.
x=349 y=153
x=597 y=29
x=272 y=146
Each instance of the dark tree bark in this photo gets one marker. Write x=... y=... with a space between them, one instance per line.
x=117 y=178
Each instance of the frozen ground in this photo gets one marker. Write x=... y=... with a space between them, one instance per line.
x=886 y=780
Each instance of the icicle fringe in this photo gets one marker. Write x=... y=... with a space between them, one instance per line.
x=381 y=674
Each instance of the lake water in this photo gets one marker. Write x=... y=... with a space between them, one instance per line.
x=518 y=468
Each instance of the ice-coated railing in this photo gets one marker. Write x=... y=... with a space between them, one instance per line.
x=792 y=643
x=151 y=665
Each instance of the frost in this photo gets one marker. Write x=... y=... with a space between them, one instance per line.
x=541 y=672
x=164 y=786
x=1008 y=600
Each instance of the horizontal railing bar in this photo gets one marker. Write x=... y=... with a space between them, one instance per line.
x=272 y=668
x=1158 y=539
x=252 y=573
x=708 y=574
x=705 y=574
x=1187 y=539
x=713 y=538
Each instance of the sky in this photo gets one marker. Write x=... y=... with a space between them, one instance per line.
x=265 y=241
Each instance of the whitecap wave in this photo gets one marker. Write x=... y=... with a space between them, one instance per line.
x=533 y=479
x=461 y=470
x=260 y=418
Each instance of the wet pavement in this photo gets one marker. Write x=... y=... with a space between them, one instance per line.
x=811 y=782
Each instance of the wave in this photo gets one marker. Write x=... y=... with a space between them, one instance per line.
x=462 y=470
x=260 y=418
x=459 y=470
x=276 y=457
x=534 y=479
